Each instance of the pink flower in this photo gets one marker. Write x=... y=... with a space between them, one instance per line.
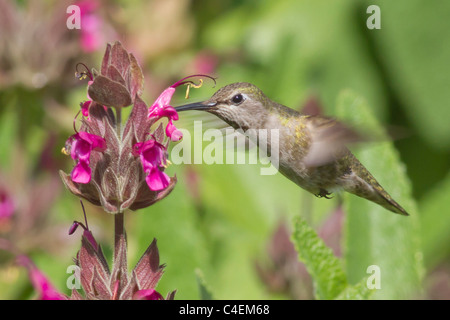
x=173 y=132
x=153 y=159
x=86 y=104
x=161 y=108
x=39 y=281
x=149 y=294
x=152 y=153
x=162 y=103
x=85 y=107
x=91 y=26
x=7 y=206
x=205 y=62
x=80 y=146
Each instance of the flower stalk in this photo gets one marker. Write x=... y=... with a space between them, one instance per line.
x=119 y=232
x=119 y=123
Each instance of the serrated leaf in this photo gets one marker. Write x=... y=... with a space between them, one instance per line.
x=360 y=291
x=375 y=236
x=326 y=269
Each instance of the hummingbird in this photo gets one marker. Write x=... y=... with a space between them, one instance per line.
x=312 y=149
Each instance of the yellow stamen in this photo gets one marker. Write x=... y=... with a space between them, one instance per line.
x=167 y=164
x=193 y=85
x=64 y=151
x=187 y=91
x=81 y=76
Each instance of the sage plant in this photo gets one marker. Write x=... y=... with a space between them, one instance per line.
x=120 y=166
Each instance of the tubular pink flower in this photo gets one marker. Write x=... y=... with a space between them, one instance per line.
x=91 y=31
x=152 y=153
x=86 y=104
x=85 y=107
x=173 y=132
x=81 y=145
x=161 y=108
x=157 y=179
x=39 y=281
x=161 y=103
x=153 y=159
x=81 y=173
x=149 y=294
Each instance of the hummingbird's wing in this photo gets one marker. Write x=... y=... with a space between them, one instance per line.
x=329 y=140
x=206 y=120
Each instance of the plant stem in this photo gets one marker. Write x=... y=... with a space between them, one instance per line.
x=119 y=123
x=119 y=232
x=119 y=229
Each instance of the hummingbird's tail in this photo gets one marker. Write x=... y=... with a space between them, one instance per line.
x=366 y=186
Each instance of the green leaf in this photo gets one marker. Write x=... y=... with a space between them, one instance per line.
x=325 y=269
x=375 y=236
x=8 y=131
x=415 y=57
x=205 y=292
x=435 y=222
x=360 y=291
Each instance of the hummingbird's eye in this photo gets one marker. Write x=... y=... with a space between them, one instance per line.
x=237 y=98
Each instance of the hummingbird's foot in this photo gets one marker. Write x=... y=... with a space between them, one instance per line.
x=324 y=194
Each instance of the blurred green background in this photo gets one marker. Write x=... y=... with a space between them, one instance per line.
x=226 y=227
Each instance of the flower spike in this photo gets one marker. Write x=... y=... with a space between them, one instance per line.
x=127 y=172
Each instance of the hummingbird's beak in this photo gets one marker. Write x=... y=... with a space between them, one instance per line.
x=204 y=106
